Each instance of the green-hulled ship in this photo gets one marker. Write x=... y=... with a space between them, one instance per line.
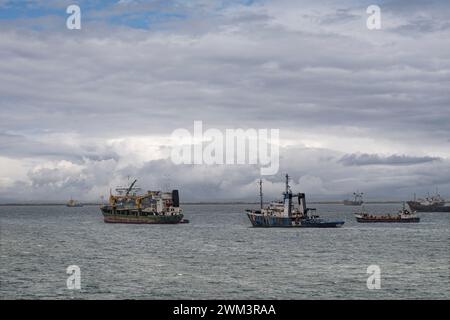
x=153 y=207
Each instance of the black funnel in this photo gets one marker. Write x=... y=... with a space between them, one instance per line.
x=175 y=198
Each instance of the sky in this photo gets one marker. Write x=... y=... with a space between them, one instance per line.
x=82 y=111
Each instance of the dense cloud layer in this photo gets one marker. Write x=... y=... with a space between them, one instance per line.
x=80 y=111
x=374 y=159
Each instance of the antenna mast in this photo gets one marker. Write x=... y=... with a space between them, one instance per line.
x=287 y=183
x=260 y=194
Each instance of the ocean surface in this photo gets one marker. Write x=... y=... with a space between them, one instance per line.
x=218 y=255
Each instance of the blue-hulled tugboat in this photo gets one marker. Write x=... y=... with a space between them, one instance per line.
x=286 y=214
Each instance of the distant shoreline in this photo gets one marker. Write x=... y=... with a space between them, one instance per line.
x=193 y=203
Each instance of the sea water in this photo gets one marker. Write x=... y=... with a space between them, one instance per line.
x=218 y=255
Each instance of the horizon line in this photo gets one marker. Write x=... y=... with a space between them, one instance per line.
x=194 y=203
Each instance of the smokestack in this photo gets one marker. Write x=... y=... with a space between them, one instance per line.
x=302 y=202
x=175 y=198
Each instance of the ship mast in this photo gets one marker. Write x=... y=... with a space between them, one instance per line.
x=287 y=183
x=260 y=194
x=288 y=197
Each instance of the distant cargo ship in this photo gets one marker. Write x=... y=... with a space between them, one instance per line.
x=402 y=216
x=153 y=207
x=357 y=199
x=285 y=214
x=73 y=203
x=430 y=204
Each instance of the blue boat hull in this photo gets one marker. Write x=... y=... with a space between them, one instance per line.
x=261 y=221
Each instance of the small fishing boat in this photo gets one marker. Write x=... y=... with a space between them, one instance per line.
x=403 y=216
x=357 y=199
x=430 y=204
x=73 y=203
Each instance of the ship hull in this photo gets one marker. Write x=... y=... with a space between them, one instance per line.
x=352 y=203
x=261 y=221
x=365 y=218
x=416 y=206
x=134 y=217
x=386 y=220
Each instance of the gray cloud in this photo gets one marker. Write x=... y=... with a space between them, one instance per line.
x=344 y=98
x=375 y=159
x=53 y=146
x=318 y=172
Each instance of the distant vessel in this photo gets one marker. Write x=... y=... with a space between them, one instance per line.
x=73 y=203
x=402 y=216
x=430 y=204
x=357 y=200
x=153 y=207
x=285 y=214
